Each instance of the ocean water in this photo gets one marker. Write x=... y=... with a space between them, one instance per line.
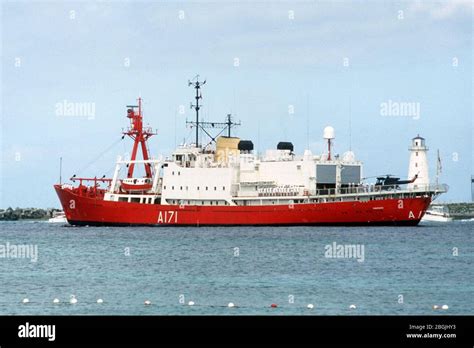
x=251 y=267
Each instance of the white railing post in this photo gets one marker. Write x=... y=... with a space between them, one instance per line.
x=156 y=178
x=116 y=174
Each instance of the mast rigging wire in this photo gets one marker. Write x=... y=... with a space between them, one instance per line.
x=95 y=159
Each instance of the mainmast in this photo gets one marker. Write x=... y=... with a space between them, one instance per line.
x=227 y=125
x=197 y=86
x=140 y=135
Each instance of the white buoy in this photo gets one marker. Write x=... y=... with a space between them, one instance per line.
x=191 y=303
x=352 y=306
x=100 y=301
x=56 y=300
x=445 y=306
x=73 y=299
x=435 y=307
x=310 y=306
x=147 y=302
x=231 y=305
x=25 y=301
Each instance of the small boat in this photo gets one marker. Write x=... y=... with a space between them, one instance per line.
x=136 y=184
x=58 y=217
x=437 y=213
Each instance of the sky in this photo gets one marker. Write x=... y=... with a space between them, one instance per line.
x=284 y=69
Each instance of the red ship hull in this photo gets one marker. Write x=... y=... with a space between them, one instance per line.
x=93 y=211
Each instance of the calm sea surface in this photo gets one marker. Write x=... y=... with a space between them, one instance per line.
x=251 y=267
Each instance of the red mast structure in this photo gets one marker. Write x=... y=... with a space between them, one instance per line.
x=140 y=135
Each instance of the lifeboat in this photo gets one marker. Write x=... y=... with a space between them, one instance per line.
x=136 y=184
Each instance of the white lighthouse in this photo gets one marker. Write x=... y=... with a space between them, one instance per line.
x=418 y=162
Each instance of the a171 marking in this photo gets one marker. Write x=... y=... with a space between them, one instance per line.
x=168 y=217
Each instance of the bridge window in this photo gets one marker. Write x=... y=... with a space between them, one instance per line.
x=207 y=188
x=198 y=188
x=172 y=187
x=172 y=173
x=223 y=188
x=181 y=188
x=215 y=188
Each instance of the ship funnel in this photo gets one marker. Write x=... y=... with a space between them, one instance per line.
x=226 y=147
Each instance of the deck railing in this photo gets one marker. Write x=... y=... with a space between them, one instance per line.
x=371 y=189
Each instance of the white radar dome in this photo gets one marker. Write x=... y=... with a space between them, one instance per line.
x=329 y=133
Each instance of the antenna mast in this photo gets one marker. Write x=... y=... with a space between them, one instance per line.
x=438 y=168
x=197 y=86
x=230 y=123
x=60 y=170
x=203 y=125
x=350 y=123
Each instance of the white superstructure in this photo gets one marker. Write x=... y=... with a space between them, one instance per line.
x=193 y=176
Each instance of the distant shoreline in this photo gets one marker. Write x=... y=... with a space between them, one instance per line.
x=11 y=214
x=458 y=211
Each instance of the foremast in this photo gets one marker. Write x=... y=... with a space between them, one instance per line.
x=140 y=136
